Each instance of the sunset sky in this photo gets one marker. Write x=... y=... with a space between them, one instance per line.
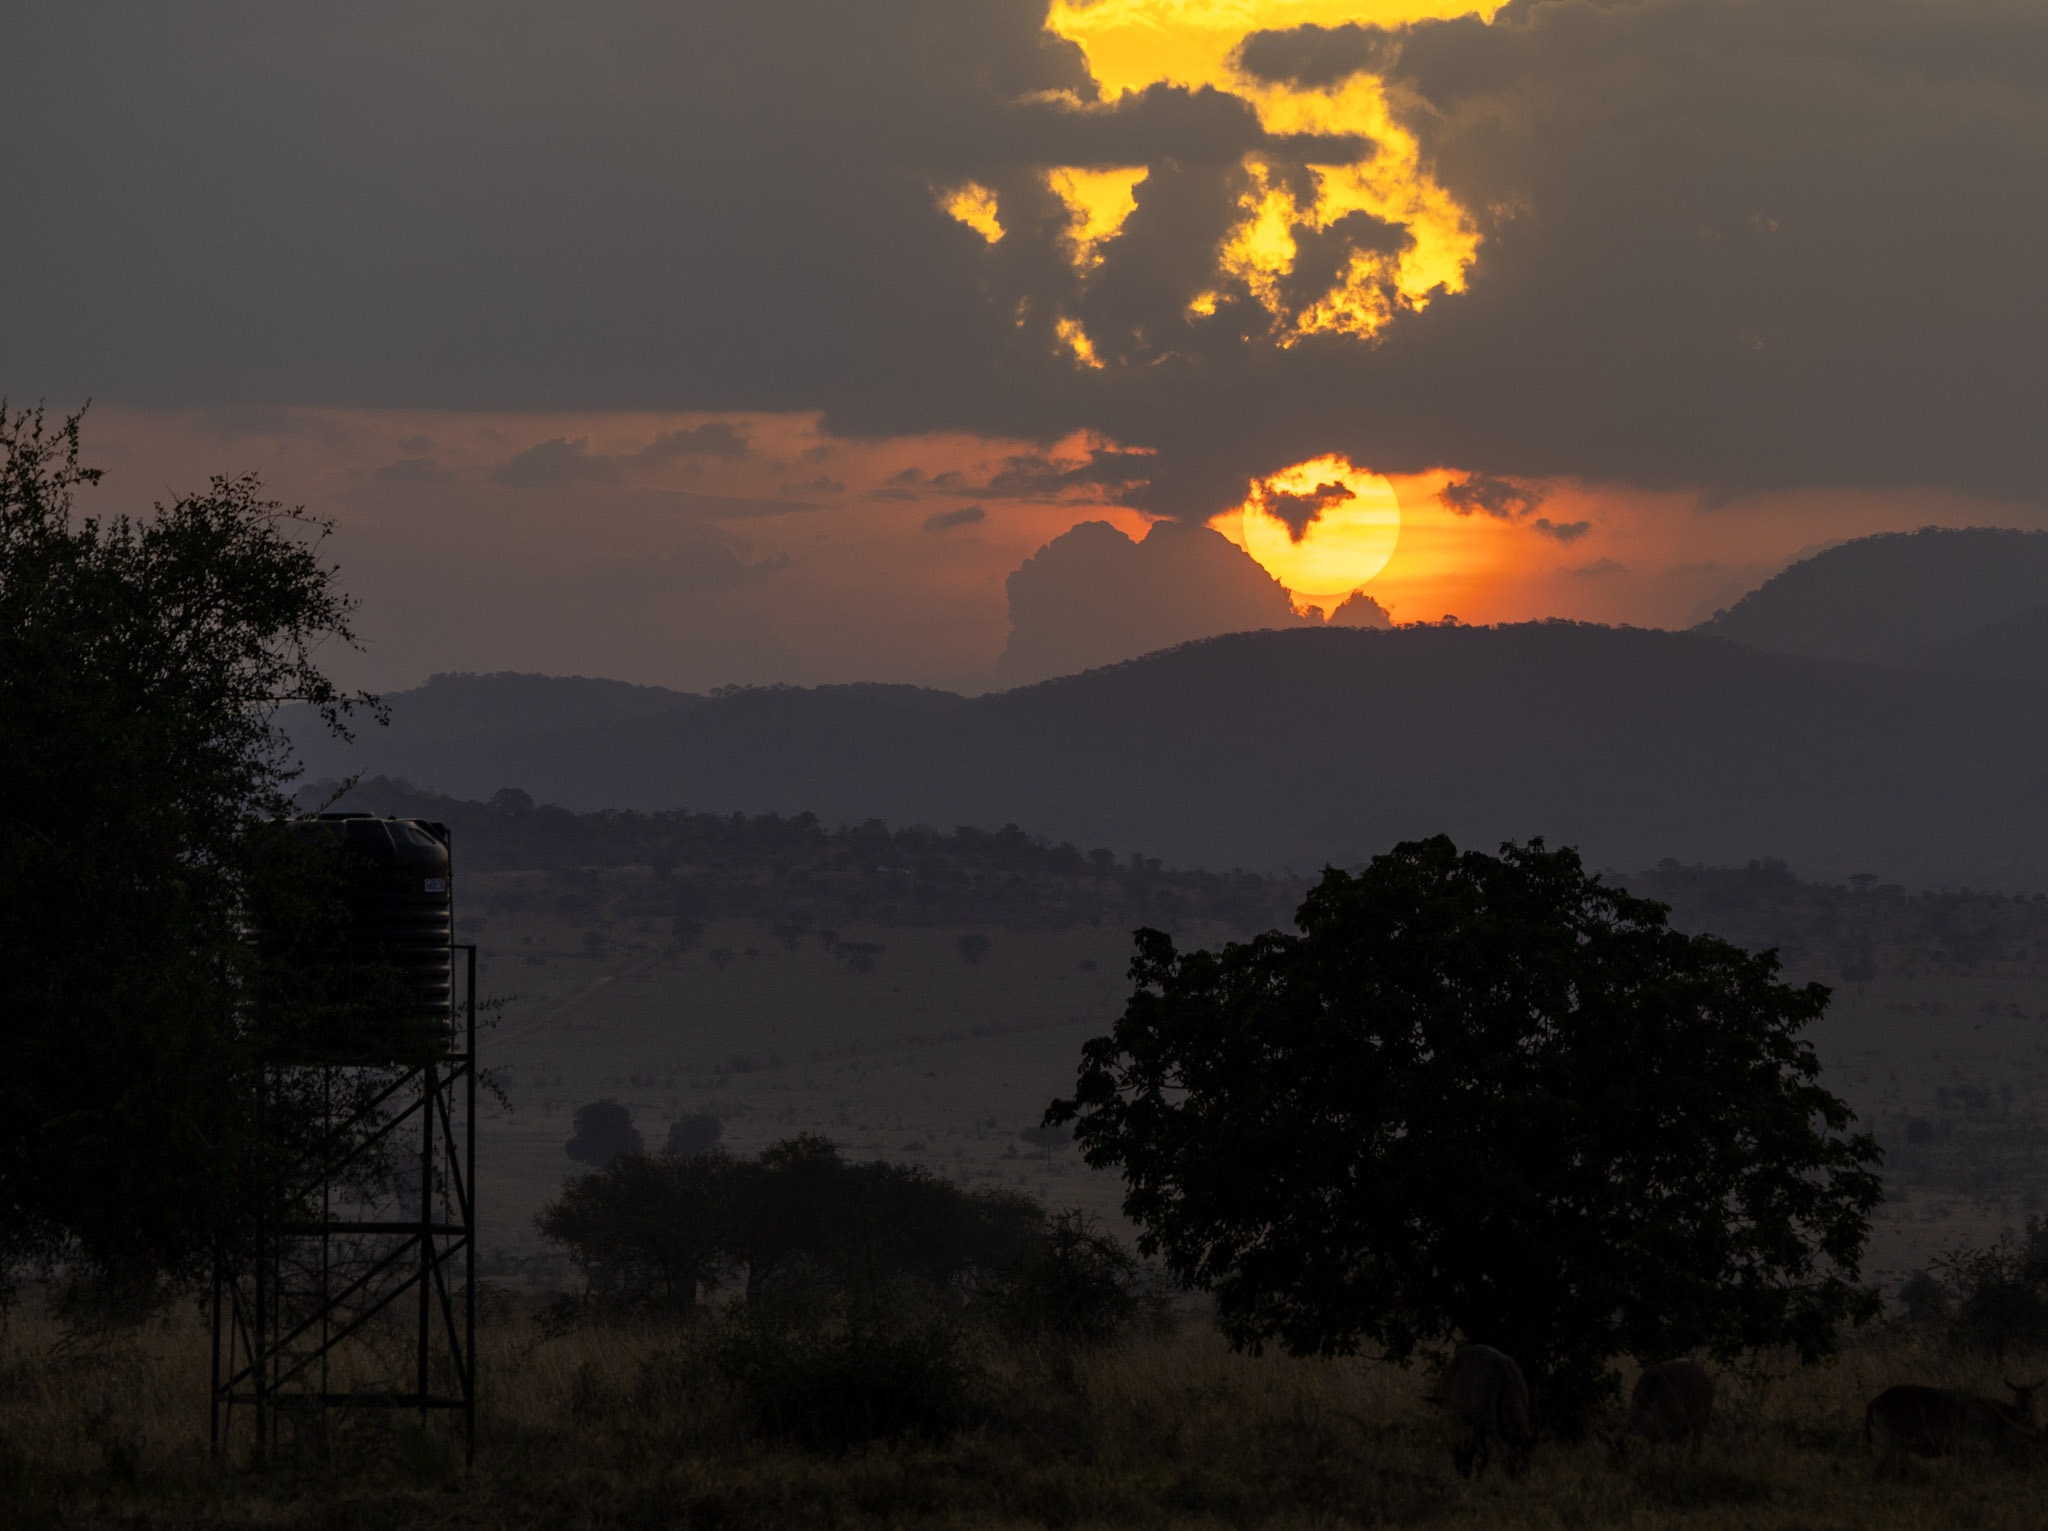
x=696 y=344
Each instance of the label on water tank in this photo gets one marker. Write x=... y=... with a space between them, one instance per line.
x=437 y=885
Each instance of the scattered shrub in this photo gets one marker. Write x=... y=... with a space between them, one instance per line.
x=828 y=1371
x=694 y=1133
x=2001 y=1293
x=1925 y=1299
x=1077 y=1283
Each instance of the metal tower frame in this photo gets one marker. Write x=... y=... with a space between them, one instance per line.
x=289 y=1304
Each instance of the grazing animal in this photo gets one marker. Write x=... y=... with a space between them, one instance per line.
x=1673 y=1400
x=1937 y=1421
x=1485 y=1390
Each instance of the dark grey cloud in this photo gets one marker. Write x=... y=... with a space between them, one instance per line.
x=559 y=463
x=1301 y=511
x=718 y=439
x=946 y=520
x=1360 y=610
x=1092 y=597
x=556 y=464
x=1500 y=498
x=1728 y=244
x=1562 y=531
x=1314 y=56
x=698 y=568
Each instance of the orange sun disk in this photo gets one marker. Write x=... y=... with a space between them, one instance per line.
x=1355 y=527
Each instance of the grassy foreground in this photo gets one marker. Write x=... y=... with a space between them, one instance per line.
x=614 y=1427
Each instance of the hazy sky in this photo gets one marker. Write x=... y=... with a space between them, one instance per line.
x=706 y=342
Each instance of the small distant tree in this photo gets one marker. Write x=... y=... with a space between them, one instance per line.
x=861 y=955
x=696 y=1132
x=973 y=948
x=1490 y=1099
x=603 y=1130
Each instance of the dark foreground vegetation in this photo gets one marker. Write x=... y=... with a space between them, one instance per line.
x=641 y=1423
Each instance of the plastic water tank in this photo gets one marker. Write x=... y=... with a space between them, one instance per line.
x=400 y=896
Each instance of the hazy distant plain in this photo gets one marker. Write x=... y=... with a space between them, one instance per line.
x=929 y=1060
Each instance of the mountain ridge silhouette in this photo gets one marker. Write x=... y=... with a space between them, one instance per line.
x=1909 y=596
x=1297 y=748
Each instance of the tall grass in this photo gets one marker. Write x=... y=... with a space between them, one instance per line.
x=629 y=1425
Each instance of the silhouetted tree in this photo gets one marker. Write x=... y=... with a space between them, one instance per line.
x=974 y=947
x=142 y=664
x=818 y=1235
x=696 y=1132
x=647 y=1232
x=603 y=1130
x=1485 y=1098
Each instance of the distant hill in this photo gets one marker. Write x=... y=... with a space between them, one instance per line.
x=459 y=706
x=1903 y=595
x=1291 y=749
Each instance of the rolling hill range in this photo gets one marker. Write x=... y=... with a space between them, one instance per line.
x=1971 y=599
x=1291 y=749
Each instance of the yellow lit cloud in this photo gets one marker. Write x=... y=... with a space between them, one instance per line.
x=1098 y=202
x=1354 y=532
x=974 y=205
x=1076 y=340
x=1130 y=44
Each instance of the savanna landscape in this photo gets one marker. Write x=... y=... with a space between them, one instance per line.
x=1024 y=764
x=902 y=1039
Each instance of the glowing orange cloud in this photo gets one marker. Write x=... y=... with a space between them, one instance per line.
x=1130 y=44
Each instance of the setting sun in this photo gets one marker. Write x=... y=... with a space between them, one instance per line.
x=1322 y=527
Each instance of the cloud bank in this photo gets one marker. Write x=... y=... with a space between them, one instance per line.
x=1731 y=245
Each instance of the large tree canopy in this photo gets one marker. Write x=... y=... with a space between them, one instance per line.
x=1486 y=1098
x=141 y=786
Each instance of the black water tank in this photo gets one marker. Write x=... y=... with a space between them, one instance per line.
x=399 y=892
